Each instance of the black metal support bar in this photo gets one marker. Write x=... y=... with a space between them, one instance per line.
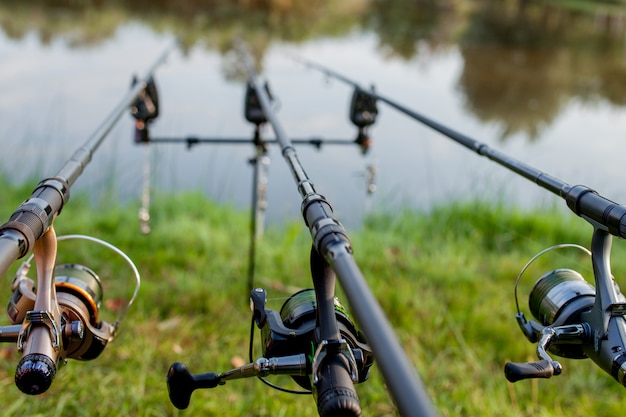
x=10 y=333
x=331 y=242
x=192 y=141
x=259 y=163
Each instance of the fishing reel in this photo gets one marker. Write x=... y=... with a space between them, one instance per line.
x=363 y=112
x=72 y=322
x=291 y=346
x=79 y=295
x=293 y=331
x=558 y=301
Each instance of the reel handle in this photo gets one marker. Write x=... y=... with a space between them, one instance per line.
x=516 y=371
x=181 y=383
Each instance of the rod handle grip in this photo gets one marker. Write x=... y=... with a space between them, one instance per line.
x=335 y=389
x=515 y=371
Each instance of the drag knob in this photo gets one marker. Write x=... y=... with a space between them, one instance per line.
x=181 y=383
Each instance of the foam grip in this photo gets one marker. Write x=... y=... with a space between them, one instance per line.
x=335 y=390
x=35 y=373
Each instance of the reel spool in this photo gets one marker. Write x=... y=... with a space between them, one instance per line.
x=71 y=281
x=81 y=282
x=558 y=298
x=300 y=311
x=301 y=307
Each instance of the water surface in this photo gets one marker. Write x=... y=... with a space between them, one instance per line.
x=556 y=105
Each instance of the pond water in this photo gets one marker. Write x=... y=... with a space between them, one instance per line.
x=521 y=101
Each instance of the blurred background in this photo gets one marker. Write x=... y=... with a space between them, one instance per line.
x=543 y=81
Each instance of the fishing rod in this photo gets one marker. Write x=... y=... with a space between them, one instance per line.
x=313 y=339
x=574 y=319
x=57 y=316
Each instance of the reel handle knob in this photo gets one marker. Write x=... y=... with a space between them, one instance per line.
x=181 y=383
x=35 y=374
x=539 y=369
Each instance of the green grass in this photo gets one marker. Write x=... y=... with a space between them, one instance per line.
x=445 y=279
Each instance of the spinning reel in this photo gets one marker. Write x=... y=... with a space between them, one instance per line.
x=59 y=321
x=562 y=302
x=291 y=346
x=293 y=330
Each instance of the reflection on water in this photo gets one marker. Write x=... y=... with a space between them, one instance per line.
x=522 y=68
x=523 y=59
x=503 y=72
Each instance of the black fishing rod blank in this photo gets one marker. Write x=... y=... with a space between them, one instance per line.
x=575 y=319
x=331 y=242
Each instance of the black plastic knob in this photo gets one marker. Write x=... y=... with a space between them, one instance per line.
x=35 y=373
x=517 y=371
x=181 y=383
